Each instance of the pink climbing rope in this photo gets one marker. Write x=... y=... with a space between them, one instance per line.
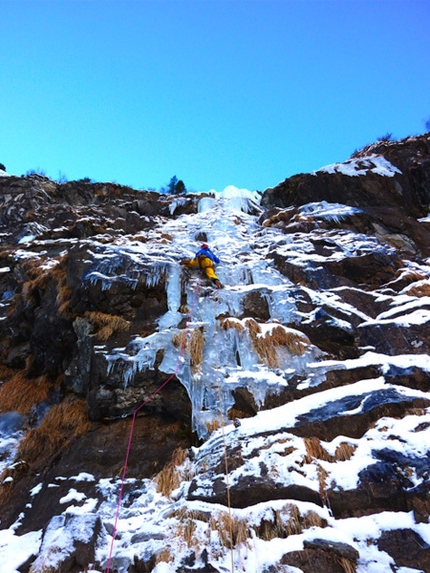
x=130 y=437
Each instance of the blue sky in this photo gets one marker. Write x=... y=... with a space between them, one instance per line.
x=217 y=92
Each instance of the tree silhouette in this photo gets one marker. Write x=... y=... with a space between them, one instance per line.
x=176 y=186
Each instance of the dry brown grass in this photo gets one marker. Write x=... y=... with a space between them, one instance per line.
x=213 y=425
x=264 y=347
x=313 y=519
x=322 y=481
x=193 y=342
x=407 y=276
x=344 y=451
x=412 y=275
x=281 y=217
x=295 y=342
x=281 y=526
x=418 y=289
x=164 y=556
x=253 y=327
x=278 y=337
x=6 y=373
x=233 y=414
x=170 y=477
x=314 y=450
x=232 y=531
x=21 y=394
x=185 y=513
x=347 y=565
x=186 y=531
x=292 y=519
x=63 y=423
x=38 y=280
x=64 y=296
x=31 y=286
x=288 y=521
x=106 y=325
x=37 y=275
x=195 y=348
x=227 y=323
x=179 y=339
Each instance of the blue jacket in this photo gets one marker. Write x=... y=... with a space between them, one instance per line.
x=209 y=254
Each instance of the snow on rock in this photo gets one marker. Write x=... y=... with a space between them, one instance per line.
x=305 y=382
x=361 y=166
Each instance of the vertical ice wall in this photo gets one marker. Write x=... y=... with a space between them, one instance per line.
x=228 y=358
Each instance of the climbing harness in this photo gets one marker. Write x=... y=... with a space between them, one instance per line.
x=181 y=353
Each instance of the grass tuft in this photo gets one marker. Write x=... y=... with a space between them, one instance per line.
x=227 y=323
x=195 y=348
x=344 y=452
x=322 y=480
x=20 y=394
x=106 y=325
x=38 y=281
x=6 y=372
x=232 y=531
x=279 y=336
x=63 y=423
x=347 y=565
x=213 y=425
x=164 y=556
x=174 y=473
x=295 y=342
x=186 y=531
x=193 y=343
x=267 y=343
x=287 y=521
x=314 y=450
x=418 y=289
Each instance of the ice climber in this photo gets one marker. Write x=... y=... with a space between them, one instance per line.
x=205 y=259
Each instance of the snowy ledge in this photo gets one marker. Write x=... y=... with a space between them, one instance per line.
x=361 y=166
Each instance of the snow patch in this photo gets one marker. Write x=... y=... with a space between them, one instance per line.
x=361 y=166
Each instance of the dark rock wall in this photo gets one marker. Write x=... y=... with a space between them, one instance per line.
x=55 y=314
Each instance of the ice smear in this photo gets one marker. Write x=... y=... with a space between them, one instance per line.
x=329 y=211
x=10 y=424
x=176 y=203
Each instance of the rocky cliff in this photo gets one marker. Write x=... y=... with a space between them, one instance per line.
x=150 y=423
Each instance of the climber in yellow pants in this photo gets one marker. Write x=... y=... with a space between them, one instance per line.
x=205 y=259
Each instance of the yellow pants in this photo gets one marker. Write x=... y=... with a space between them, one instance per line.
x=206 y=265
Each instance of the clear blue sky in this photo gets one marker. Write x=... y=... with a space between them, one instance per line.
x=217 y=92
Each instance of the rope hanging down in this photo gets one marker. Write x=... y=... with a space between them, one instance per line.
x=227 y=475
x=181 y=353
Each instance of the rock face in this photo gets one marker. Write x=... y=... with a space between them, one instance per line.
x=150 y=423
